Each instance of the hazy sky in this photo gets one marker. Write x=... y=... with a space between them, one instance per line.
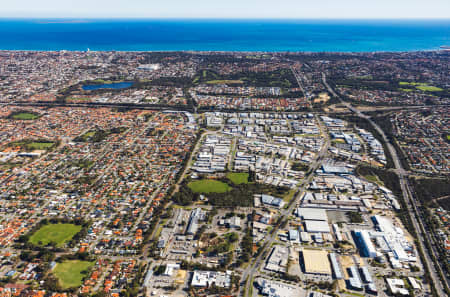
x=227 y=8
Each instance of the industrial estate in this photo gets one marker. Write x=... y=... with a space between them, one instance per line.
x=224 y=174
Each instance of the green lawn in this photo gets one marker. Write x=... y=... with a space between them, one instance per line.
x=288 y=196
x=429 y=88
x=405 y=83
x=89 y=134
x=30 y=145
x=107 y=82
x=70 y=274
x=224 y=81
x=208 y=186
x=374 y=179
x=421 y=86
x=25 y=116
x=57 y=233
x=40 y=145
x=79 y=98
x=238 y=177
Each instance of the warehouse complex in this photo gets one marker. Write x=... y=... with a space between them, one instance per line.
x=316 y=262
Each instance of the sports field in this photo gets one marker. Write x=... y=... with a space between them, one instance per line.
x=57 y=233
x=31 y=145
x=40 y=145
x=25 y=116
x=238 y=177
x=208 y=186
x=70 y=274
x=429 y=88
x=421 y=86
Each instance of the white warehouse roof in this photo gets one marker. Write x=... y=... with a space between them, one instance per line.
x=317 y=226
x=316 y=214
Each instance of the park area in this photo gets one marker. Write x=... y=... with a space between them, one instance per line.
x=208 y=186
x=420 y=86
x=224 y=81
x=70 y=274
x=24 y=116
x=58 y=234
x=238 y=177
x=31 y=145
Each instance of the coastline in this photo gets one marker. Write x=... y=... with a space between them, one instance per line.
x=205 y=35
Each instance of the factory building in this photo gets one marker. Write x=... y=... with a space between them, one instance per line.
x=366 y=245
x=354 y=280
x=338 y=274
x=316 y=262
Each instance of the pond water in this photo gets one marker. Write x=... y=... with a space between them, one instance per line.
x=119 y=85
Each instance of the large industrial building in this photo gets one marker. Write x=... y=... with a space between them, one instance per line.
x=338 y=274
x=207 y=278
x=315 y=219
x=278 y=259
x=313 y=214
x=317 y=226
x=365 y=243
x=316 y=262
x=388 y=239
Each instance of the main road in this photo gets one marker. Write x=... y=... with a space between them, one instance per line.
x=411 y=203
x=254 y=265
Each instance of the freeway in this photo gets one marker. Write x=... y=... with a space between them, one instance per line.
x=411 y=202
x=299 y=81
x=190 y=109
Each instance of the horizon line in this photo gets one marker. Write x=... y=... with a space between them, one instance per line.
x=221 y=18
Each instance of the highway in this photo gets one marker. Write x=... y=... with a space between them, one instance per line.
x=412 y=204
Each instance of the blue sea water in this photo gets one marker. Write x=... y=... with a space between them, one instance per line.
x=224 y=35
x=119 y=85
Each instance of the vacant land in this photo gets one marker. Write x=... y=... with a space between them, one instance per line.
x=98 y=135
x=56 y=233
x=374 y=179
x=70 y=274
x=288 y=196
x=430 y=190
x=322 y=98
x=92 y=136
x=238 y=177
x=208 y=186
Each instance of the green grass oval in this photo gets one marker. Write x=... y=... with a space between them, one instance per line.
x=238 y=177
x=70 y=274
x=208 y=186
x=57 y=233
x=25 y=116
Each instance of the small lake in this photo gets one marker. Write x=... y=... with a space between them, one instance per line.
x=119 y=85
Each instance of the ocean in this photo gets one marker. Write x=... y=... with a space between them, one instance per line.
x=224 y=35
